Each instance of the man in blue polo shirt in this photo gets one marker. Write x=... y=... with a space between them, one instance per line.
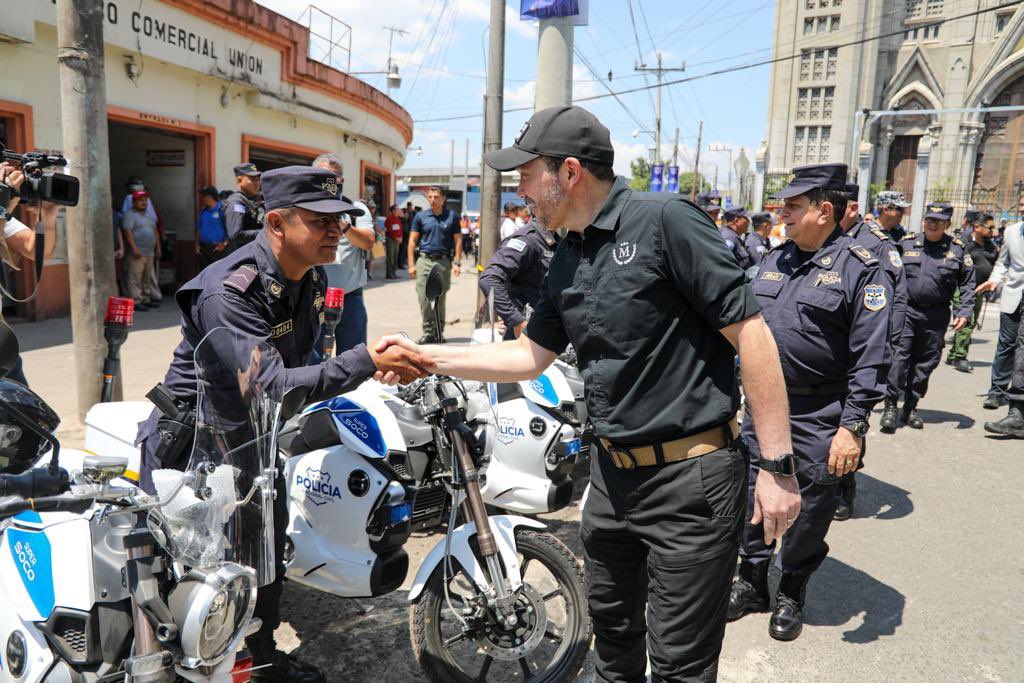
x=438 y=234
x=211 y=234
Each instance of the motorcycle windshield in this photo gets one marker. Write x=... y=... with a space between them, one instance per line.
x=238 y=411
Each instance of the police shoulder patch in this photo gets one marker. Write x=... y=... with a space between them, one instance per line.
x=910 y=236
x=862 y=253
x=968 y=261
x=956 y=241
x=242 y=277
x=895 y=260
x=877 y=232
x=239 y=208
x=874 y=297
x=516 y=243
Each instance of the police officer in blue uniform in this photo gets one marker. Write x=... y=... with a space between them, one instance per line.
x=270 y=290
x=937 y=264
x=891 y=205
x=878 y=243
x=710 y=203
x=243 y=208
x=732 y=230
x=757 y=242
x=516 y=273
x=826 y=300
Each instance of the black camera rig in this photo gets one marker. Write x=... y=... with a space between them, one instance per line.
x=41 y=184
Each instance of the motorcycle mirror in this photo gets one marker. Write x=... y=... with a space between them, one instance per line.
x=435 y=284
x=102 y=469
x=8 y=349
x=292 y=401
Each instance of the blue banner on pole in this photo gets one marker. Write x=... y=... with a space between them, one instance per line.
x=548 y=9
x=656 y=177
x=672 y=179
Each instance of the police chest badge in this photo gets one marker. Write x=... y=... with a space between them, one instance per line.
x=895 y=260
x=624 y=253
x=874 y=297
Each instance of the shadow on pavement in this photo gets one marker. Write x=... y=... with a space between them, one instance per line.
x=937 y=416
x=838 y=593
x=881 y=500
x=56 y=331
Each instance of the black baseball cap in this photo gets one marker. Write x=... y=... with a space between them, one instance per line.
x=557 y=132
x=311 y=188
x=760 y=218
x=939 y=211
x=210 y=191
x=246 y=169
x=815 y=176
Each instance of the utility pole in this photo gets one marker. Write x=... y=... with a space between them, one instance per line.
x=723 y=148
x=659 y=71
x=465 y=177
x=392 y=68
x=451 y=168
x=696 y=165
x=490 y=179
x=675 y=150
x=554 y=63
x=83 y=96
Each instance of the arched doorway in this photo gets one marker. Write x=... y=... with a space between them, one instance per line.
x=999 y=167
x=905 y=132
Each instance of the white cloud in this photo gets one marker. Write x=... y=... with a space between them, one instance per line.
x=625 y=152
x=522 y=95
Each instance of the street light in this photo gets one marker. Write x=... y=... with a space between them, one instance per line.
x=724 y=148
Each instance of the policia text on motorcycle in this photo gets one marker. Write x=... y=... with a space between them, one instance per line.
x=662 y=524
x=271 y=290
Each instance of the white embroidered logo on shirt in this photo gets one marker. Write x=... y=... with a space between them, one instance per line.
x=624 y=253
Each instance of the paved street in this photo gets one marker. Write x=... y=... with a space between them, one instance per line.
x=924 y=584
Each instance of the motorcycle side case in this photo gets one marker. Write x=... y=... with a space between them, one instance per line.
x=331 y=494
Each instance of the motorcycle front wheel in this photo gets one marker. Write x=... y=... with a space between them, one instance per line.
x=549 y=642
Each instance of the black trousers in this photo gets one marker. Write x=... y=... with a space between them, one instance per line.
x=660 y=549
x=919 y=353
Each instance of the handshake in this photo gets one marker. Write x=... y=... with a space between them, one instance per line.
x=399 y=360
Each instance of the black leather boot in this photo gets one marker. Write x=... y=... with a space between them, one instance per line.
x=888 y=422
x=283 y=668
x=1012 y=424
x=787 y=620
x=749 y=591
x=914 y=420
x=846 y=491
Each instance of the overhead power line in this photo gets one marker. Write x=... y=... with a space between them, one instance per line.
x=742 y=67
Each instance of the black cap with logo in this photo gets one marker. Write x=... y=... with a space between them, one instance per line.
x=816 y=176
x=310 y=188
x=557 y=132
x=246 y=169
x=940 y=211
x=709 y=201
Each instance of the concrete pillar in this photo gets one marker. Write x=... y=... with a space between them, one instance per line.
x=760 y=165
x=970 y=138
x=864 y=158
x=924 y=158
x=888 y=134
x=554 y=63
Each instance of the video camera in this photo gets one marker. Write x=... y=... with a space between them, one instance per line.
x=40 y=184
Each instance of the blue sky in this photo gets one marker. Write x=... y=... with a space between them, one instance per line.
x=442 y=63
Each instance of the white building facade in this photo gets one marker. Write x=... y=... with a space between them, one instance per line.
x=195 y=87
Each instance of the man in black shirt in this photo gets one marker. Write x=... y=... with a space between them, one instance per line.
x=983 y=252
x=657 y=308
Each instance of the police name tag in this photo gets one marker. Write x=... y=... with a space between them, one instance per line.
x=769 y=275
x=282 y=329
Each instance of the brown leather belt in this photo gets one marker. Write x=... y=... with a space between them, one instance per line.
x=693 y=446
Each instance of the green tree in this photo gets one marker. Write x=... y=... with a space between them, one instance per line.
x=640 y=172
x=687 y=181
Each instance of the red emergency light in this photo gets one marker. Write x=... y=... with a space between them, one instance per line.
x=120 y=310
x=335 y=297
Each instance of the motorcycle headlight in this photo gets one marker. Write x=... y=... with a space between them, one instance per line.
x=212 y=608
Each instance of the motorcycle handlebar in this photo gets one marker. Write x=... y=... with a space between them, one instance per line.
x=45 y=504
x=35 y=483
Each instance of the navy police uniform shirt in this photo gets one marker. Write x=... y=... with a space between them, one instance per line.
x=516 y=273
x=829 y=314
x=642 y=295
x=247 y=292
x=896 y=234
x=887 y=252
x=735 y=244
x=243 y=217
x=756 y=247
x=937 y=269
x=437 y=232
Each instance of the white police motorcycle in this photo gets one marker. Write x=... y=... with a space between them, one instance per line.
x=105 y=583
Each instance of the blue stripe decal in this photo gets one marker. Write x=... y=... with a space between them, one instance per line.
x=31 y=553
x=357 y=421
x=543 y=386
x=29 y=517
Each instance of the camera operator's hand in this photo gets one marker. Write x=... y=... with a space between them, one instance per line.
x=13 y=178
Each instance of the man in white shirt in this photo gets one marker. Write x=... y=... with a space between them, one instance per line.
x=509 y=225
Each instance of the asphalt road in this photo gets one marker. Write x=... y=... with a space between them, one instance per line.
x=923 y=584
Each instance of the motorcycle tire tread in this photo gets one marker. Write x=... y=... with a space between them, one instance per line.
x=432 y=665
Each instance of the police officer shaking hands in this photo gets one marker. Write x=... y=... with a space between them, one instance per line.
x=271 y=290
x=663 y=519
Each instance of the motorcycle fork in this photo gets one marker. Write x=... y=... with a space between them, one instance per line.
x=473 y=509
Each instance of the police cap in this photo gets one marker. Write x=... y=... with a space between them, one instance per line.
x=760 y=218
x=891 y=198
x=557 y=132
x=940 y=211
x=814 y=177
x=246 y=169
x=736 y=212
x=971 y=215
x=210 y=191
x=852 y=191
x=709 y=201
x=311 y=188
